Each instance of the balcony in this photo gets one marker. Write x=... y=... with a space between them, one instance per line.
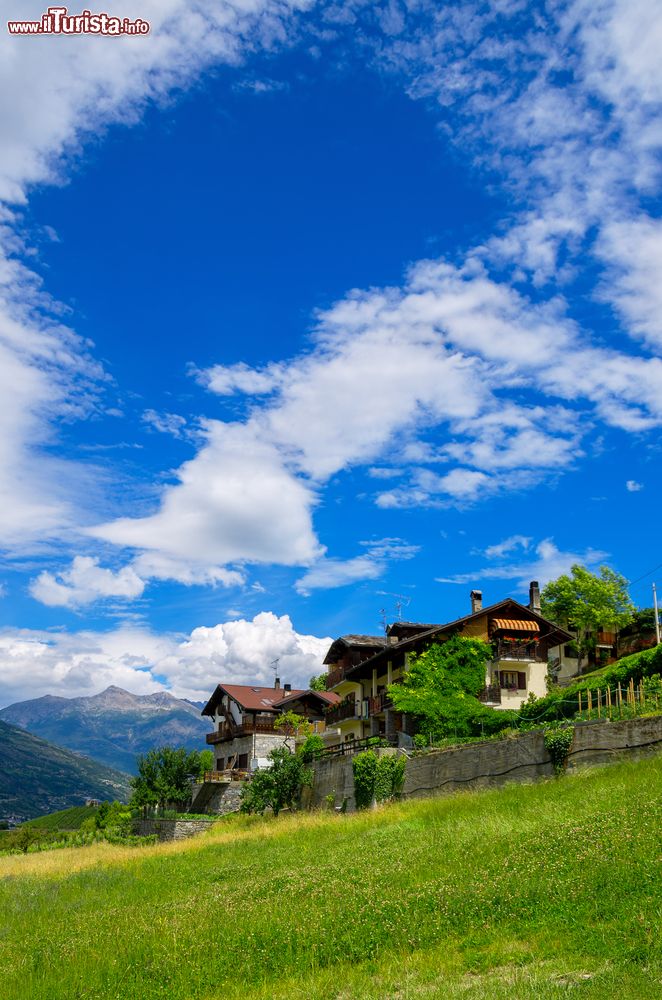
x=347 y=709
x=379 y=703
x=524 y=651
x=335 y=676
x=605 y=639
x=227 y=731
x=490 y=695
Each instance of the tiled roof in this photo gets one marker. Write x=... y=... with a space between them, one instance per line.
x=252 y=698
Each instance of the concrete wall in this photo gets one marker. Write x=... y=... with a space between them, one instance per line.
x=493 y=763
x=171 y=829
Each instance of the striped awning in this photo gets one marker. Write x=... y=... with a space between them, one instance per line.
x=514 y=625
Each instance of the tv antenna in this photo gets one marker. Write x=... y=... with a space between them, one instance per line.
x=274 y=666
x=401 y=601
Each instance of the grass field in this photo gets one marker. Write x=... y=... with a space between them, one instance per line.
x=537 y=891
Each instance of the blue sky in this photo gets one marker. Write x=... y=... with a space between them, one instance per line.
x=306 y=307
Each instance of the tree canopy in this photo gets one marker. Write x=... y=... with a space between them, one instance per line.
x=164 y=776
x=584 y=602
x=280 y=786
x=440 y=689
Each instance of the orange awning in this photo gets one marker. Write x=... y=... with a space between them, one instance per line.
x=514 y=625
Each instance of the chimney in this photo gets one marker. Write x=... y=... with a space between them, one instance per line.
x=277 y=684
x=476 y=601
x=287 y=687
x=534 y=597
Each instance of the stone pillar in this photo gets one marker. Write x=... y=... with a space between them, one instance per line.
x=374 y=681
x=389 y=672
x=389 y=716
x=374 y=725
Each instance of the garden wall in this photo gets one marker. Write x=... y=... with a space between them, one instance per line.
x=493 y=763
x=171 y=829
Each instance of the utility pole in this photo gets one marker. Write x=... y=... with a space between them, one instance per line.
x=657 y=620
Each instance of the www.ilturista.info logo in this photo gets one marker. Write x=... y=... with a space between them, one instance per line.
x=57 y=21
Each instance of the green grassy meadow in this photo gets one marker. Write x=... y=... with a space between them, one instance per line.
x=65 y=819
x=546 y=890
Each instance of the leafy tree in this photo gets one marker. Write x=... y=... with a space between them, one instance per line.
x=279 y=787
x=164 y=777
x=318 y=683
x=310 y=746
x=441 y=686
x=206 y=762
x=584 y=602
x=293 y=725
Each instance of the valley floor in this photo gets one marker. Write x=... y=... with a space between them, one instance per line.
x=546 y=890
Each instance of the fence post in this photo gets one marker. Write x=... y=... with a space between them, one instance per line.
x=589 y=702
x=609 y=702
x=619 y=698
x=599 y=700
x=579 y=699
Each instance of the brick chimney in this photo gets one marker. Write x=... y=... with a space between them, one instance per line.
x=534 y=597
x=476 y=601
x=277 y=684
x=287 y=687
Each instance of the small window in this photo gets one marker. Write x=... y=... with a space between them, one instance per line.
x=242 y=762
x=220 y=764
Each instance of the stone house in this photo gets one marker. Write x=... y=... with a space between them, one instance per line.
x=244 y=721
x=362 y=667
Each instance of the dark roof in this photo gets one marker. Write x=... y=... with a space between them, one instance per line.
x=252 y=698
x=358 y=642
x=406 y=645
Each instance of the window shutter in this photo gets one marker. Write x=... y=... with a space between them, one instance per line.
x=521 y=680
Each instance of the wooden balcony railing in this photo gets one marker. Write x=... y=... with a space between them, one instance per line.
x=228 y=731
x=335 y=676
x=605 y=639
x=379 y=703
x=490 y=695
x=529 y=651
x=347 y=709
x=233 y=774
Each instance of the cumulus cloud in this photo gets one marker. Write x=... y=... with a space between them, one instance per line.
x=86 y=581
x=83 y=663
x=632 y=486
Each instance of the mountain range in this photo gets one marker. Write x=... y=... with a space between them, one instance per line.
x=112 y=727
x=37 y=777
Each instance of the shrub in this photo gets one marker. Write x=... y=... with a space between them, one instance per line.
x=279 y=787
x=377 y=778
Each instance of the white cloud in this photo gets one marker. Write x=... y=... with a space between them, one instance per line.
x=329 y=573
x=632 y=486
x=166 y=423
x=549 y=563
x=235 y=501
x=507 y=546
x=84 y=583
x=53 y=97
x=83 y=663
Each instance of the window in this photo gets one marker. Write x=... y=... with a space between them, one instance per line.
x=242 y=762
x=513 y=680
x=220 y=764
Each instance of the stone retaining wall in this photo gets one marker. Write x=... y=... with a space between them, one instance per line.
x=171 y=829
x=493 y=763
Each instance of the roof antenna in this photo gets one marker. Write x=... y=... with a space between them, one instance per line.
x=382 y=619
x=274 y=665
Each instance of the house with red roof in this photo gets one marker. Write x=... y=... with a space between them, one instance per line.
x=245 y=715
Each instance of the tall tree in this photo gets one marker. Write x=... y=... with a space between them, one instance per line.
x=584 y=602
x=164 y=777
x=441 y=685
